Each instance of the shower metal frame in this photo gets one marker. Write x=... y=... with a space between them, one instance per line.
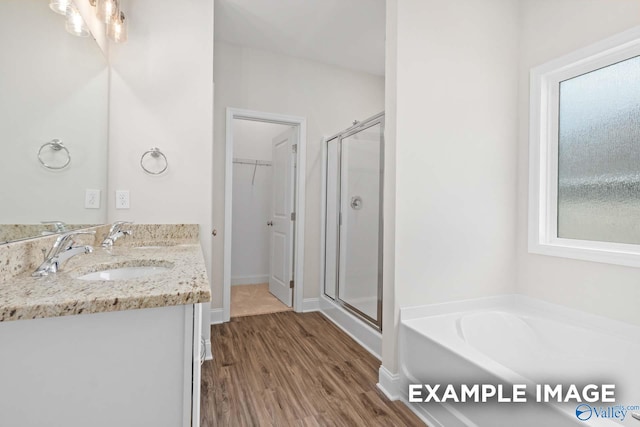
x=356 y=128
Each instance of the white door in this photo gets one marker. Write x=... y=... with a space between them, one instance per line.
x=281 y=259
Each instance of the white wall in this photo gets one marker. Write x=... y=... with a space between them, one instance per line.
x=550 y=29
x=456 y=99
x=162 y=95
x=329 y=97
x=253 y=140
x=53 y=85
x=252 y=201
x=251 y=211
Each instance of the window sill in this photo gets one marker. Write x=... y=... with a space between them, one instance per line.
x=608 y=253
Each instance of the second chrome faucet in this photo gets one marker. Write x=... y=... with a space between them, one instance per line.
x=115 y=233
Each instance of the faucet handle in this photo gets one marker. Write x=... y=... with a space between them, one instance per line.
x=115 y=227
x=68 y=237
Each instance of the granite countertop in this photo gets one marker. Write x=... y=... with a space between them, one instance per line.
x=63 y=294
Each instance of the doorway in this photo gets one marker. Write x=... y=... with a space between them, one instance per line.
x=264 y=213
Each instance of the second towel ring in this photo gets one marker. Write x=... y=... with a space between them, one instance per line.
x=56 y=145
x=156 y=154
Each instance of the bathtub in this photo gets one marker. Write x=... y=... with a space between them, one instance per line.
x=518 y=340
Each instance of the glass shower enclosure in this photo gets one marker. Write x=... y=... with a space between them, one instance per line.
x=354 y=223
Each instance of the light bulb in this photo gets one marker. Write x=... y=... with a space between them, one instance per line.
x=107 y=10
x=59 y=6
x=117 y=30
x=75 y=24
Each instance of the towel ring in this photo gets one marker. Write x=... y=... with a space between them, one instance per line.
x=56 y=145
x=156 y=154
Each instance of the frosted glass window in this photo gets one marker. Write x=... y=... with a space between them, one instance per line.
x=599 y=155
x=584 y=163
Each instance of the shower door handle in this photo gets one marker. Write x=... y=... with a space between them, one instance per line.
x=270 y=223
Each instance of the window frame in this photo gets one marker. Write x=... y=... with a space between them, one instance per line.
x=543 y=151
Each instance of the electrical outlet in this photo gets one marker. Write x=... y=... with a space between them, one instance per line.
x=92 y=199
x=122 y=199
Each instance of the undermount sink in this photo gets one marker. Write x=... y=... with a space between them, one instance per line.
x=125 y=273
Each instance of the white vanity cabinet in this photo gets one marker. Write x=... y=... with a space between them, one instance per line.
x=129 y=368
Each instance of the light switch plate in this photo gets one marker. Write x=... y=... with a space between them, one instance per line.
x=92 y=199
x=122 y=199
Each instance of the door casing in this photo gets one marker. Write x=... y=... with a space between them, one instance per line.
x=300 y=123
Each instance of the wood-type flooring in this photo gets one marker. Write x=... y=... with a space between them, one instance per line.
x=292 y=369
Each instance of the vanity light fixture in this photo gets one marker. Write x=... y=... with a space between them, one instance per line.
x=117 y=29
x=75 y=24
x=107 y=10
x=60 y=6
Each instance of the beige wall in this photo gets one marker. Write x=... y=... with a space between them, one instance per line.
x=328 y=96
x=550 y=29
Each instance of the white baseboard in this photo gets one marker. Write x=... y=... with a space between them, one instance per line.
x=207 y=349
x=216 y=316
x=250 y=280
x=389 y=383
x=439 y=416
x=362 y=333
x=310 y=304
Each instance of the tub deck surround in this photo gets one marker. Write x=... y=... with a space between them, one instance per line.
x=516 y=340
x=63 y=294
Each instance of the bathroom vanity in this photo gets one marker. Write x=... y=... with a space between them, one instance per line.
x=73 y=352
x=84 y=347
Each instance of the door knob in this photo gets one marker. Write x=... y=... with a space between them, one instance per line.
x=270 y=223
x=356 y=203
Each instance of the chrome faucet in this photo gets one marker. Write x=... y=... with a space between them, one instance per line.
x=63 y=249
x=115 y=233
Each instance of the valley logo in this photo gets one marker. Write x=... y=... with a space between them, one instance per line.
x=585 y=412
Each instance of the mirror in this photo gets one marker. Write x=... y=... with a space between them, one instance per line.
x=53 y=90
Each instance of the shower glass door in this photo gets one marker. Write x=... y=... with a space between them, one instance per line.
x=353 y=267
x=332 y=225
